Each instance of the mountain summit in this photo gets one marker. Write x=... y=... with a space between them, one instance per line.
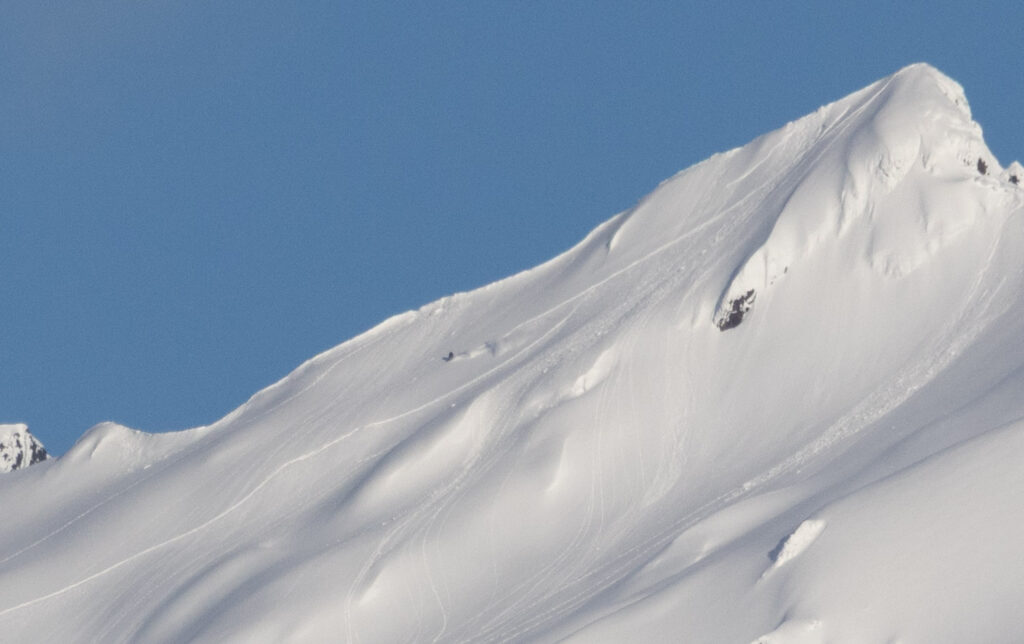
x=19 y=448
x=863 y=158
x=779 y=400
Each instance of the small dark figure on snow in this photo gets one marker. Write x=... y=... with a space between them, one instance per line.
x=448 y=358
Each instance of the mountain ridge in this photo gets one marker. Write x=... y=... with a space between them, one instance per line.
x=597 y=457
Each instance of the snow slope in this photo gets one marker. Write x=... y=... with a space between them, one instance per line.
x=600 y=461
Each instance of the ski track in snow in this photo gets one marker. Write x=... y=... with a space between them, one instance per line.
x=905 y=383
x=71 y=522
x=239 y=503
x=444 y=494
x=877 y=406
x=771 y=183
x=578 y=569
x=641 y=551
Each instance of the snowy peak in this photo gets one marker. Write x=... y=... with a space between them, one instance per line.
x=886 y=177
x=918 y=115
x=578 y=453
x=19 y=448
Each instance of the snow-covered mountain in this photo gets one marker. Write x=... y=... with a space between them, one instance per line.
x=780 y=400
x=19 y=448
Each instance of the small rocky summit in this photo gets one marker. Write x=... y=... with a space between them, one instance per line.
x=19 y=448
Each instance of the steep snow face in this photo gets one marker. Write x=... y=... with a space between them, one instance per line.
x=19 y=448
x=888 y=180
x=673 y=431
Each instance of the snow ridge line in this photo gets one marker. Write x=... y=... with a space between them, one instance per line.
x=183 y=535
x=772 y=181
x=329 y=444
x=265 y=482
x=361 y=346
x=843 y=123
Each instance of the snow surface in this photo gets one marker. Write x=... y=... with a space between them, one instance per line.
x=599 y=462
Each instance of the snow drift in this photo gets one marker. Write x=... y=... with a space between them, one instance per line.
x=778 y=401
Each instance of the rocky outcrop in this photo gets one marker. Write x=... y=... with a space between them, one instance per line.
x=732 y=312
x=19 y=448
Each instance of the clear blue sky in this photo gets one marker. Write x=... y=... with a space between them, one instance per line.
x=195 y=196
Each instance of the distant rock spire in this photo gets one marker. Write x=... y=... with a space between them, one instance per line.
x=19 y=448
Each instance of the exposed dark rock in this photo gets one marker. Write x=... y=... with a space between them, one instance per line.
x=19 y=448
x=1014 y=179
x=737 y=309
x=982 y=166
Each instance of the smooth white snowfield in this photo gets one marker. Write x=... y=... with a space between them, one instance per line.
x=599 y=462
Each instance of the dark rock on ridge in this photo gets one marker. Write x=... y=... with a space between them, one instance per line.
x=19 y=448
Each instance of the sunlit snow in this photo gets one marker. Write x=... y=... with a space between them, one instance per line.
x=602 y=459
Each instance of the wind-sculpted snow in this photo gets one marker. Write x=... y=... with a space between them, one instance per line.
x=595 y=450
x=794 y=545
